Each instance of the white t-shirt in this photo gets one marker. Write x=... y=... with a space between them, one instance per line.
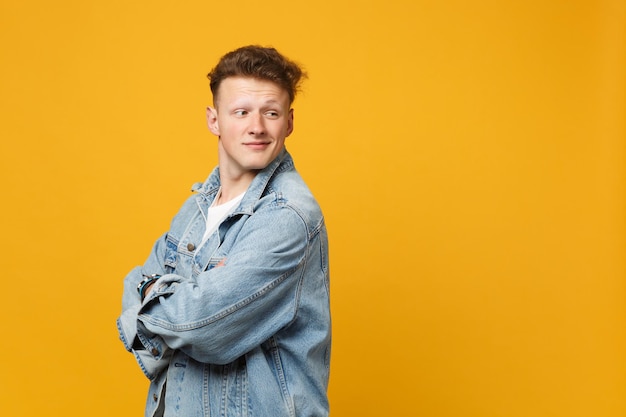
x=217 y=213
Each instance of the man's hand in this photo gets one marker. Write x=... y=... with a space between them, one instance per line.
x=148 y=289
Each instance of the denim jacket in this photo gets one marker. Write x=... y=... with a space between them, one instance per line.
x=239 y=325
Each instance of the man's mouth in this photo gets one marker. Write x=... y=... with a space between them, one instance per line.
x=257 y=145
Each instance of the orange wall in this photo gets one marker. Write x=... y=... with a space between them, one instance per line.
x=469 y=157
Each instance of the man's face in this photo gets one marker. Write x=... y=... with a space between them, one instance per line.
x=252 y=118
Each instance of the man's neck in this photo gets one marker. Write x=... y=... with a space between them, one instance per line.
x=232 y=187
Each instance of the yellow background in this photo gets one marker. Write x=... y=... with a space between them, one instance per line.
x=469 y=156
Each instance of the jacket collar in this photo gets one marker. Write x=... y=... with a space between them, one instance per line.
x=208 y=189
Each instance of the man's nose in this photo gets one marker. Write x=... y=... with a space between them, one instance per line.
x=257 y=125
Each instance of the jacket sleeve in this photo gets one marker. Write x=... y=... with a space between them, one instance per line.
x=151 y=354
x=226 y=311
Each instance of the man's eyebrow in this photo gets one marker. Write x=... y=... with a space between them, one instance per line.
x=277 y=103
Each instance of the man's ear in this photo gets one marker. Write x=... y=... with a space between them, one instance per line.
x=211 y=119
x=290 y=122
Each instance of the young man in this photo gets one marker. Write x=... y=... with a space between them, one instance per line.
x=229 y=315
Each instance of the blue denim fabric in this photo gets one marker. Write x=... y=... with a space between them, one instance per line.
x=238 y=326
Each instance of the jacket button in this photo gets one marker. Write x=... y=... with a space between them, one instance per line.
x=154 y=351
x=154 y=397
x=190 y=247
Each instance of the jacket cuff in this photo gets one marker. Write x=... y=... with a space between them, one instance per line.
x=151 y=366
x=127 y=326
x=151 y=353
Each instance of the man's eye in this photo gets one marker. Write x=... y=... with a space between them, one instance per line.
x=240 y=113
x=272 y=114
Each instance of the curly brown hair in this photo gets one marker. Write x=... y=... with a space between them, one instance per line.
x=264 y=63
